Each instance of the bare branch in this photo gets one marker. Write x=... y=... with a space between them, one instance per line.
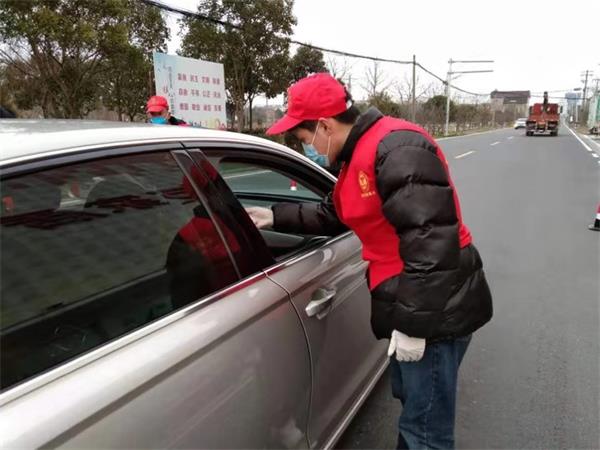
x=376 y=82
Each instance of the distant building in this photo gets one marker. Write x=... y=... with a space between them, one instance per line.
x=510 y=103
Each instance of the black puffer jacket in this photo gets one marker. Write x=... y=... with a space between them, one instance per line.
x=441 y=292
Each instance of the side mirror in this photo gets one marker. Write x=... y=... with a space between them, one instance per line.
x=561 y=109
x=530 y=110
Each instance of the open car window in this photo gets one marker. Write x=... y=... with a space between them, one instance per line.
x=258 y=185
x=257 y=180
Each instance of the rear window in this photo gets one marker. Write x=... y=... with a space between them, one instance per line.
x=95 y=250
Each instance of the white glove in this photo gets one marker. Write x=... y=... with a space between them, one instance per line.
x=406 y=348
x=262 y=217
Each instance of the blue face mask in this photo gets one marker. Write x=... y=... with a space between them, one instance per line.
x=311 y=153
x=158 y=120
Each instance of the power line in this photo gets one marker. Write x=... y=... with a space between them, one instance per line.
x=451 y=85
x=190 y=14
x=292 y=41
x=197 y=15
x=352 y=55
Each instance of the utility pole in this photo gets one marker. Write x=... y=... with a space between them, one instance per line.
x=414 y=91
x=587 y=73
x=577 y=97
x=449 y=81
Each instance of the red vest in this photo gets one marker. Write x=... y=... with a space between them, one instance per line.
x=359 y=206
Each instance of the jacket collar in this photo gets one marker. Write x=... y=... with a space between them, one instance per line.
x=362 y=125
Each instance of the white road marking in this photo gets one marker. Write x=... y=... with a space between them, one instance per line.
x=472 y=134
x=247 y=174
x=592 y=141
x=510 y=137
x=495 y=143
x=465 y=154
x=595 y=156
x=580 y=140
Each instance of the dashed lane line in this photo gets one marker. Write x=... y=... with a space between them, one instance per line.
x=495 y=143
x=465 y=154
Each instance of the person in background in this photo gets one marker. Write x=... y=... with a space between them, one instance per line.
x=157 y=110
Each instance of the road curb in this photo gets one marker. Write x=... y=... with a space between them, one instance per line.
x=472 y=134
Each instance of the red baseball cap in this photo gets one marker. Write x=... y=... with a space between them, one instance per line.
x=313 y=97
x=157 y=103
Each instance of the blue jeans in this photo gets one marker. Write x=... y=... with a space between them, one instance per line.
x=427 y=390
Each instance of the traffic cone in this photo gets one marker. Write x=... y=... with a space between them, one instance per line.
x=596 y=225
x=293 y=185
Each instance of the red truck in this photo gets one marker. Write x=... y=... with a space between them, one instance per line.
x=543 y=118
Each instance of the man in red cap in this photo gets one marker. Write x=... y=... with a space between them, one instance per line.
x=157 y=110
x=428 y=288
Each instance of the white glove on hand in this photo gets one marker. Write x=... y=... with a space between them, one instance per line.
x=406 y=348
x=262 y=217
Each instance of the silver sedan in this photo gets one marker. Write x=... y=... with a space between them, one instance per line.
x=141 y=308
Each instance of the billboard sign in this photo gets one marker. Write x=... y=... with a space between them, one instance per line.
x=195 y=89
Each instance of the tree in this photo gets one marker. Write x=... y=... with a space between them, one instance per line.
x=129 y=76
x=435 y=110
x=126 y=83
x=61 y=48
x=340 y=71
x=465 y=114
x=305 y=62
x=384 y=103
x=404 y=89
x=376 y=82
x=20 y=91
x=254 y=50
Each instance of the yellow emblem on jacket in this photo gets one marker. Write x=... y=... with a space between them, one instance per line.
x=365 y=185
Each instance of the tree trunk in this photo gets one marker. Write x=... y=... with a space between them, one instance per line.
x=119 y=102
x=239 y=112
x=250 y=100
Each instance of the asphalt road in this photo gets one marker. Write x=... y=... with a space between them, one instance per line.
x=531 y=377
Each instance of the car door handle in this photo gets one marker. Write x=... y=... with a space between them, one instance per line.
x=320 y=300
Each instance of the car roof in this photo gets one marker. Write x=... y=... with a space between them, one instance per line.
x=29 y=139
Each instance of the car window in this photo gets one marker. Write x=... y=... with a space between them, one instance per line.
x=95 y=250
x=248 y=178
x=254 y=179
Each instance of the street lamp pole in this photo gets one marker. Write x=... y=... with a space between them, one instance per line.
x=449 y=80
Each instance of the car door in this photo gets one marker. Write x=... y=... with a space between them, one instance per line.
x=325 y=277
x=135 y=313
